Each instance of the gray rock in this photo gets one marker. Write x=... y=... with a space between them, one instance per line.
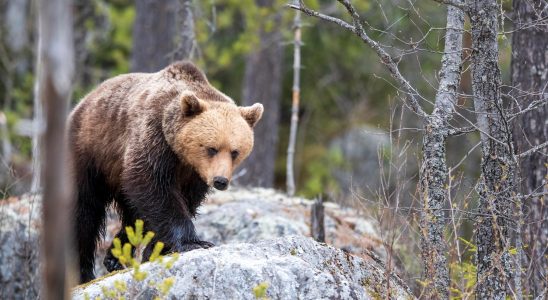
x=250 y=215
x=292 y=267
x=19 y=247
x=232 y=217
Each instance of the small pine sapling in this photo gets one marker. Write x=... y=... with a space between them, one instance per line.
x=134 y=259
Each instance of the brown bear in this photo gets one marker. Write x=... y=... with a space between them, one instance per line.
x=153 y=143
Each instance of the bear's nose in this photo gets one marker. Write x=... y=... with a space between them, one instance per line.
x=220 y=183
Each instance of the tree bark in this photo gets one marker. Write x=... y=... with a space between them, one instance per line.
x=433 y=174
x=55 y=71
x=530 y=77
x=37 y=128
x=153 y=34
x=186 y=40
x=295 y=99
x=498 y=168
x=262 y=83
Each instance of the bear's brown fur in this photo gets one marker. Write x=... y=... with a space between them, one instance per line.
x=154 y=144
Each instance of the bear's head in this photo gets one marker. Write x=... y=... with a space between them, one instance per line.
x=215 y=137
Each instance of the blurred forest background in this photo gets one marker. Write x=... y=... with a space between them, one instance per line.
x=357 y=144
x=245 y=48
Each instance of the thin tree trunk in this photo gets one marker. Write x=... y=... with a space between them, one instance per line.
x=498 y=168
x=55 y=71
x=37 y=129
x=186 y=41
x=16 y=18
x=433 y=175
x=530 y=76
x=153 y=35
x=294 y=104
x=262 y=83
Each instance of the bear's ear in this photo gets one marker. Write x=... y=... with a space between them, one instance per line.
x=252 y=114
x=191 y=105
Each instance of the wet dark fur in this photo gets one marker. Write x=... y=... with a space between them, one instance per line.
x=154 y=184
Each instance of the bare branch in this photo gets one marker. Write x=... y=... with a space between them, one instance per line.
x=532 y=150
x=319 y=15
x=464 y=157
x=461 y=131
x=532 y=106
x=357 y=28
x=455 y=3
x=534 y=195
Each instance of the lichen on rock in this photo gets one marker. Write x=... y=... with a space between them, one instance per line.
x=293 y=267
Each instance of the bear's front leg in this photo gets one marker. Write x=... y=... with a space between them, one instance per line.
x=152 y=190
x=178 y=235
x=171 y=223
x=185 y=238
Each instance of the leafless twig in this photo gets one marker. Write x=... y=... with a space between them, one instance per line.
x=532 y=150
x=357 y=28
x=456 y=3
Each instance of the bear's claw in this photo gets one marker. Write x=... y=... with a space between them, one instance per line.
x=111 y=263
x=195 y=245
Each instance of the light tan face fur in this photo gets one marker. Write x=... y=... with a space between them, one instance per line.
x=217 y=137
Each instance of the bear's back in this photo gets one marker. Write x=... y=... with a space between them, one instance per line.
x=102 y=123
x=98 y=126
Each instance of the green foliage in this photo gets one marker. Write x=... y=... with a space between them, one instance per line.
x=464 y=274
x=166 y=285
x=227 y=31
x=111 y=51
x=318 y=171
x=259 y=291
x=340 y=84
x=133 y=259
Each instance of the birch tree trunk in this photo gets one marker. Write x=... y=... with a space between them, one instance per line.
x=433 y=174
x=498 y=168
x=55 y=73
x=37 y=128
x=263 y=83
x=530 y=76
x=295 y=99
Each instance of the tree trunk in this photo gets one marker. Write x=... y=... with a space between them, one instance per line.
x=186 y=41
x=153 y=35
x=83 y=12
x=55 y=73
x=295 y=99
x=497 y=182
x=530 y=76
x=433 y=175
x=17 y=36
x=262 y=83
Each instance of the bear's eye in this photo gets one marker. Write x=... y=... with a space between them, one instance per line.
x=234 y=154
x=212 y=151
